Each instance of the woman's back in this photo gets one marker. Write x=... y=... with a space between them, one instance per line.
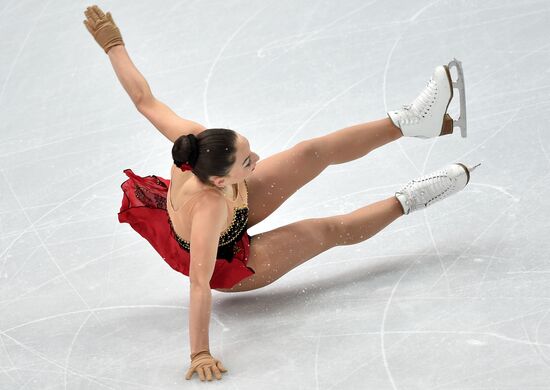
x=184 y=192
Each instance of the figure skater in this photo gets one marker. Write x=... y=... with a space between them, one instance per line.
x=218 y=189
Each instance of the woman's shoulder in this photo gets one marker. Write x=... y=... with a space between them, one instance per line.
x=209 y=210
x=207 y=199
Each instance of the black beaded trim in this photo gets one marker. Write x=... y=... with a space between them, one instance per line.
x=240 y=219
x=229 y=237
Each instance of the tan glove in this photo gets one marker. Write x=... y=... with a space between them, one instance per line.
x=102 y=27
x=202 y=362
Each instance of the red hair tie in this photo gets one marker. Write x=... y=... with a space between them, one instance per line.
x=186 y=167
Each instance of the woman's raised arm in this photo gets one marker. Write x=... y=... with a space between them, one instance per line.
x=166 y=120
x=107 y=35
x=129 y=76
x=159 y=114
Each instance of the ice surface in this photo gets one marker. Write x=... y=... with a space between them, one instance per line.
x=453 y=297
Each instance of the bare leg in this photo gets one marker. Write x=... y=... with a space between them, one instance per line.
x=279 y=176
x=365 y=222
x=276 y=252
x=351 y=143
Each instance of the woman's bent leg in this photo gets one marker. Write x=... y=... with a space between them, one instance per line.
x=276 y=252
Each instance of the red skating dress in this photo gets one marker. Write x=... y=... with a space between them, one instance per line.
x=144 y=208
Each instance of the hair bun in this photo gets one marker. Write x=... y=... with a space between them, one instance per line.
x=185 y=152
x=194 y=143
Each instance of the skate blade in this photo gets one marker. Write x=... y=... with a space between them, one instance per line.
x=471 y=169
x=468 y=170
x=459 y=83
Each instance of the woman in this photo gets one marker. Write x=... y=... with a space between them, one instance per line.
x=217 y=190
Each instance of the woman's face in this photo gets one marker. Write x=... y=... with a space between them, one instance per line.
x=243 y=166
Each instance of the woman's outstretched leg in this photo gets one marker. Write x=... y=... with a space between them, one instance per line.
x=276 y=252
x=353 y=142
x=279 y=176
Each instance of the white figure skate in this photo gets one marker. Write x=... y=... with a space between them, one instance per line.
x=423 y=191
x=426 y=116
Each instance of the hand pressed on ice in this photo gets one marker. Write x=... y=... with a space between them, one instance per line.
x=203 y=363
x=102 y=27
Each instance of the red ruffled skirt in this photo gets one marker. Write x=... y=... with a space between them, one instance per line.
x=144 y=208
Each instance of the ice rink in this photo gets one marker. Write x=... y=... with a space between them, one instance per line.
x=455 y=296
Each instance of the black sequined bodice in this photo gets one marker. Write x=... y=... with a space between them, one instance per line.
x=228 y=238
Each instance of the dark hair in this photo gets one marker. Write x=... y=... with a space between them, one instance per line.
x=216 y=153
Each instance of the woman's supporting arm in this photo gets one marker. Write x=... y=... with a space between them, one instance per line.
x=200 y=306
x=131 y=79
x=209 y=216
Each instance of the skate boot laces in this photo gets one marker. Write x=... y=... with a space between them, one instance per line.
x=427 y=189
x=420 y=107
